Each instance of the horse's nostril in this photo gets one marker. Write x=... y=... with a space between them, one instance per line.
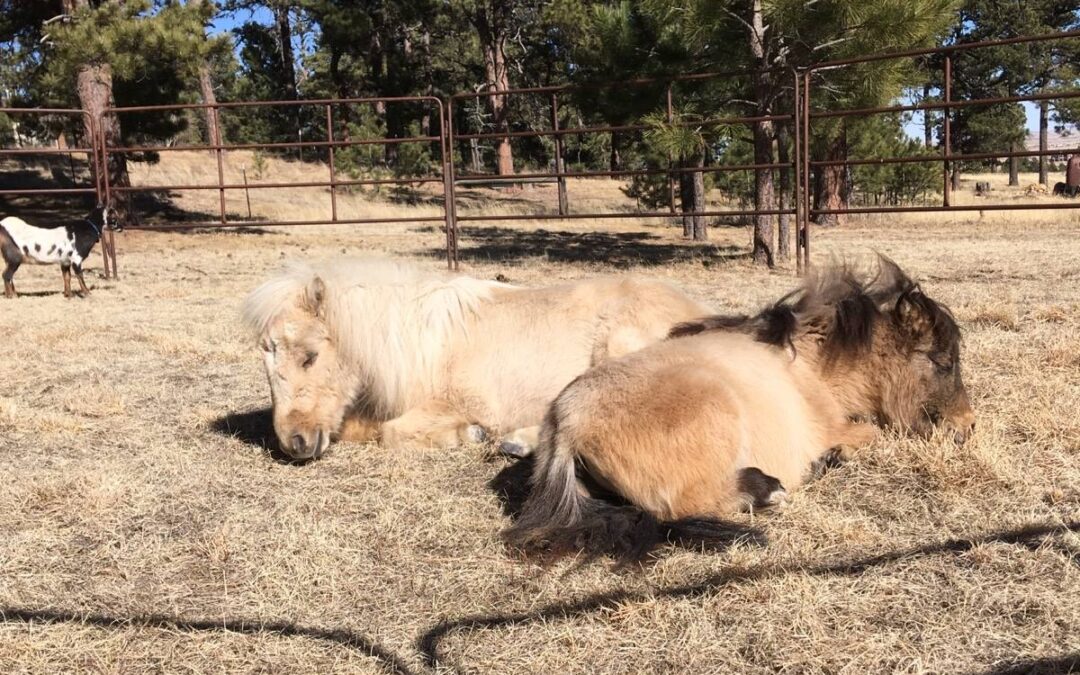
x=299 y=445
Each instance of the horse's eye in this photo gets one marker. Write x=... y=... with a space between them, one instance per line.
x=943 y=365
x=309 y=359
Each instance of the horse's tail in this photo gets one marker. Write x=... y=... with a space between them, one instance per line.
x=558 y=518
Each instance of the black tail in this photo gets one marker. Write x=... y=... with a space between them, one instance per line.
x=558 y=519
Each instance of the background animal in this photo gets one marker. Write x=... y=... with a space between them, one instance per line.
x=734 y=410
x=377 y=349
x=1065 y=190
x=69 y=245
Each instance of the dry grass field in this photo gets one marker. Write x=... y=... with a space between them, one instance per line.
x=147 y=526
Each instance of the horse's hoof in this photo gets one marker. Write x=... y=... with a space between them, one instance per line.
x=515 y=450
x=474 y=433
x=777 y=499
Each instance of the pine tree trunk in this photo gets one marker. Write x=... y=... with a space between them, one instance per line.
x=1014 y=167
x=288 y=62
x=763 y=135
x=1044 y=176
x=697 y=190
x=686 y=199
x=928 y=119
x=783 y=248
x=491 y=30
x=830 y=191
x=429 y=88
x=206 y=90
x=343 y=113
x=94 y=86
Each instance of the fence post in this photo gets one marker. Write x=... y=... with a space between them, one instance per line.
x=796 y=122
x=333 y=178
x=564 y=206
x=220 y=168
x=100 y=160
x=670 y=158
x=446 y=145
x=946 y=141
x=806 y=169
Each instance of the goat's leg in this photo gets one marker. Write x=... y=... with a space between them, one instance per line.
x=65 y=269
x=82 y=282
x=9 y=283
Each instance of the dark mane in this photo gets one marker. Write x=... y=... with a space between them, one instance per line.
x=840 y=306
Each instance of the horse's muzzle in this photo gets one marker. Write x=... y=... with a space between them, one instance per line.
x=307 y=446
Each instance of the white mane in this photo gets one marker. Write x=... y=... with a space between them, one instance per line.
x=389 y=319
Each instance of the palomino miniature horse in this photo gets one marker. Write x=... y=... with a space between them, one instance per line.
x=380 y=350
x=731 y=411
x=69 y=245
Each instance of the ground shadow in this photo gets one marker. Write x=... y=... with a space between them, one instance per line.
x=428 y=644
x=389 y=661
x=511 y=486
x=1053 y=665
x=619 y=249
x=255 y=428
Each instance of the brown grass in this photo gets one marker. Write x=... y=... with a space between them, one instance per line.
x=145 y=528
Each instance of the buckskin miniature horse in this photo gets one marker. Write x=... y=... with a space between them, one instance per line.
x=380 y=350
x=732 y=411
x=69 y=245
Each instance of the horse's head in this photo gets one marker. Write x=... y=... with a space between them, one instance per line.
x=309 y=389
x=910 y=353
x=924 y=387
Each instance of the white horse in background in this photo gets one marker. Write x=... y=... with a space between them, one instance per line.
x=374 y=349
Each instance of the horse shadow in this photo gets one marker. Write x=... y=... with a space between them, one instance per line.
x=254 y=428
x=511 y=486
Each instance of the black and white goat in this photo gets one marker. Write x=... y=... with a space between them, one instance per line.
x=69 y=245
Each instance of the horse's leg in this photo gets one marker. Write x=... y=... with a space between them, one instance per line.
x=82 y=283
x=849 y=439
x=357 y=429
x=65 y=270
x=434 y=423
x=759 y=490
x=520 y=443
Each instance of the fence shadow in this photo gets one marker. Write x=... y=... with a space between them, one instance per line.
x=619 y=249
x=428 y=644
x=387 y=659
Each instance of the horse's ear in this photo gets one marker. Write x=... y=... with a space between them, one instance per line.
x=315 y=296
x=914 y=318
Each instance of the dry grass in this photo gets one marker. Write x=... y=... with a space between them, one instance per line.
x=140 y=534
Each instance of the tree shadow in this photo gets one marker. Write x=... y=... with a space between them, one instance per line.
x=428 y=643
x=619 y=249
x=388 y=660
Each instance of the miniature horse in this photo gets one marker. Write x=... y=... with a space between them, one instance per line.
x=69 y=245
x=730 y=412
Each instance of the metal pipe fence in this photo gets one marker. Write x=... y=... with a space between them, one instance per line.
x=330 y=144
x=797 y=113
